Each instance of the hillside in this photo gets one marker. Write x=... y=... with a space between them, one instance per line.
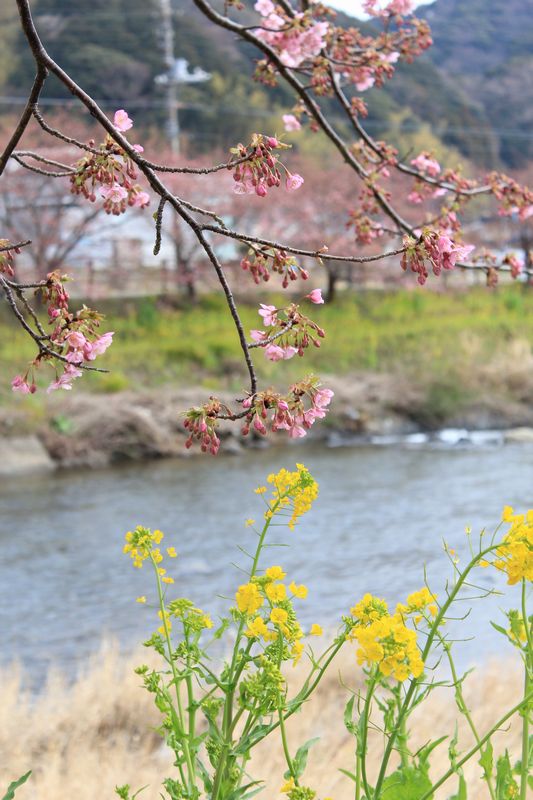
x=486 y=48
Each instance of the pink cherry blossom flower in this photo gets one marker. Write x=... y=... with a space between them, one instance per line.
x=138 y=148
x=114 y=194
x=291 y=123
x=426 y=164
x=293 y=182
x=315 y=296
x=99 y=346
x=243 y=187
x=322 y=398
x=76 y=340
x=365 y=83
x=415 y=197
x=269 y=314
x=141 y=200
x=65 y=380
x=264 y=7
x=20 y=384
x=297 y=432
x=122 y=121
x=274 y=352
x=289 y=352
x=257 y=336
x=261 y=190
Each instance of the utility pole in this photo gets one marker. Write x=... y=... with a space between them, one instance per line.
x=171 y=85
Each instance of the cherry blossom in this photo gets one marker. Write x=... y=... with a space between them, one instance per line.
x=122 y=121
x=291 y=123
x=64 y=381
x=20 y=384
x=293 y=182
x=269 y=314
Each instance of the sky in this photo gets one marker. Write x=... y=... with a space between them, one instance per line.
x=354 y=6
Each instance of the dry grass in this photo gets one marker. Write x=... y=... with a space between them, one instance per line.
x=83 y=739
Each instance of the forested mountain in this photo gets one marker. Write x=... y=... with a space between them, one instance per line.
x=466 y=92
x=486 y=48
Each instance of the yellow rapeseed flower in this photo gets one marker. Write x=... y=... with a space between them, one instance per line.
x=275 y=573
x=288 y=786
x=279 y=616
x=316 y=630
x=248 y=598
x=276 y=592
x=171 y=552
x=256 y=628
x=141 y=599
x=298 y=489
x=298 y=591
x=515 y=555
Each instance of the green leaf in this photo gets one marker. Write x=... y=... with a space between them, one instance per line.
x=506 y=786
x=348 y=774
x=10 y=794
x=487 y=759
x=255 y=735
x=351 y=727
x=425 y=752
x=405 y=784
x=461 y=794
x=300 y=760
x=242 y=792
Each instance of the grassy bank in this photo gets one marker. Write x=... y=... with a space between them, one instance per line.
x=82 y=740
x=453 y=345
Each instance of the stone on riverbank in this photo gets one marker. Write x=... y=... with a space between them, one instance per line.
x=20 y=455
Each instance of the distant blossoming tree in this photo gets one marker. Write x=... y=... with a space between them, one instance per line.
x=299 y=44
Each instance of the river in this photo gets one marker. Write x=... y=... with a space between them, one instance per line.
x=381 y=515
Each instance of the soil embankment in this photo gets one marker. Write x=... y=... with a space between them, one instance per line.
x=95 y=430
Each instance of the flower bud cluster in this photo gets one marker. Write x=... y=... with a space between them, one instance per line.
x=514 y=198
x=366 y=229
x=435 y=248
x=291 y=331
x=201 y=423
x=295 y=412
x=296 y=38
x=7 y=258
x=74 y=338
x=260 y=264
x=113 y=171
x=261 y=169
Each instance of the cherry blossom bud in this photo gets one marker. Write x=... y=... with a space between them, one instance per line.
x=315 y=296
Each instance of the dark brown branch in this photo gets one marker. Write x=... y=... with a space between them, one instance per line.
x=60 y=135
x=39 y=171
x=25 y=118
x=16 y=246
x=316 y=254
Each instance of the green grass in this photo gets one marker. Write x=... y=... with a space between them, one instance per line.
x=434 y=338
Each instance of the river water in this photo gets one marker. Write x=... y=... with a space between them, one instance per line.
x=381 y=515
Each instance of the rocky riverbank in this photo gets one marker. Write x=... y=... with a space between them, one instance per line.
x=95 y=430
